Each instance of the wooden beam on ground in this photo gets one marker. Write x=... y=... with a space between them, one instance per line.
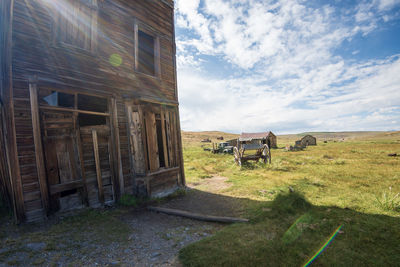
x=37 y=139
x=98 y=167
x=197 y=216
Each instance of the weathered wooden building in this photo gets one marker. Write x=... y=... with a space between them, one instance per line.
x=89 y=106
x=260 y=138
x=307 y=140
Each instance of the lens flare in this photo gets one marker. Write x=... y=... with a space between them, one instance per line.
x=323 y=247
x=115 y=60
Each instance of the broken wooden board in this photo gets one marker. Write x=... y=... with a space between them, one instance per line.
x=197 y=216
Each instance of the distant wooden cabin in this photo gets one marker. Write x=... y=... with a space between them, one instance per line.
x=259 y=138
x=89 y=104
x=232 y=142
x=307 y=140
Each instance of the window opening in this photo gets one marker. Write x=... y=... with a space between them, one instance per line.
x=160 y=142
x=92 y=103
x=146 y=53
x=68 y=192
x=91 y=120
x=58 y=99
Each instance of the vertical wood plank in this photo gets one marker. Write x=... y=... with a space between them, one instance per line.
x=144 y=137
x=173 y=138
x=152 y=140
x=115 y=142
x=37 y=139
x=164 y=137
x=169 y=139
x=82 y=165
x=136 y=144
x=131 y=148
x=180 y=152
x=98 y=167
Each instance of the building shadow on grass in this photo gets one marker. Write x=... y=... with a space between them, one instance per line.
x=289 y=231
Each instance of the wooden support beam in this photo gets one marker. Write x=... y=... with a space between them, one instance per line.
x=115 y=142
x=98 y=167
x=37 y=139
x=180 y=148
x=75 y=110
x=198 y=216
x=183 y=178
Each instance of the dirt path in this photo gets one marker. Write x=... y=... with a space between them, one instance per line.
x=121 y=237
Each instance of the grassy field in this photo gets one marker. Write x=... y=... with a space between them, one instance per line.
x=350 y=181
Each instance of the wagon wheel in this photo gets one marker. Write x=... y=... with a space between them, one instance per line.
x=236 y=154
x=266 y=154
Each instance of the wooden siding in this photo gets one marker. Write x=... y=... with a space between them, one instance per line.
x=55 y=63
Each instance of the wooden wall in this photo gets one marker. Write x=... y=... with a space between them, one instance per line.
x=36 y=52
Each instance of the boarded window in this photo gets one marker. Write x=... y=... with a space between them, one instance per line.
x=161 y=139
x=146 y=55
x=77 y=20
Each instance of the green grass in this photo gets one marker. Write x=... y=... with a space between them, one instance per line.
x=335 y=183
x=128 y=200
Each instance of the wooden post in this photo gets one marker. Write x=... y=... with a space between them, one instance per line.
x=115 y=143
x=183 y=180
x=37 y=139
x=179 y=137
x=98 y=167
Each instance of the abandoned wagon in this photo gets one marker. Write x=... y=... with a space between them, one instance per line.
x=89 y=105
x=259 y=138
x=307 y=140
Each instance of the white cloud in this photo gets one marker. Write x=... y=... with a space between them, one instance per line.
x=297 y=82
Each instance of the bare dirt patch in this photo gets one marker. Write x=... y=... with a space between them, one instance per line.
x=140 y=238
x=119 y=236
x=213 y=184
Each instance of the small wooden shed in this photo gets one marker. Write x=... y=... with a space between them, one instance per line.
x=259 y=138
x=89 y=103
x=307 y=140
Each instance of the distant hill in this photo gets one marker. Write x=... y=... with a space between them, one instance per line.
x=322 y=136
x=356 y=135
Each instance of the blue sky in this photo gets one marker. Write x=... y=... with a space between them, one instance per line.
x=288 y=66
